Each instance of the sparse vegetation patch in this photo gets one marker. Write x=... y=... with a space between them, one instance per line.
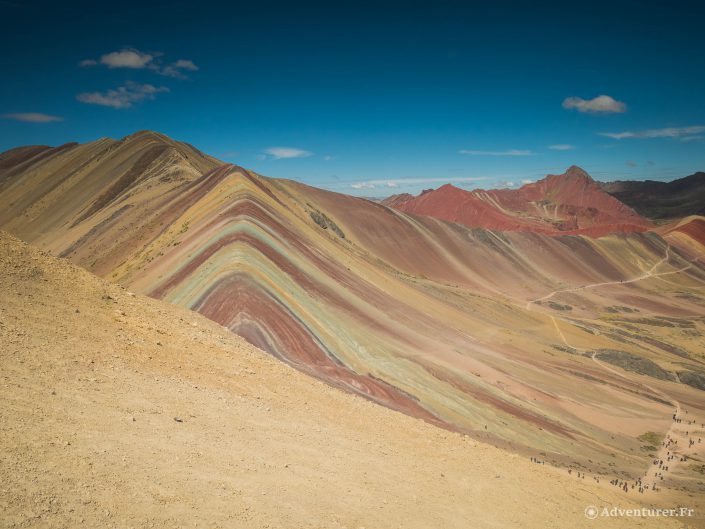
x=326 y=223
x=634 y=363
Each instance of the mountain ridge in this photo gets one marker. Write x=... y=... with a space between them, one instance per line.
x=569 y=203
x=427 y=317
x=662 y=200
x=142 y=407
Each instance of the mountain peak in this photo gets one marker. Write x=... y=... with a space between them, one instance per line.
x=577 y=172
x=445 y=187
x=574 y=177
x=147 y=135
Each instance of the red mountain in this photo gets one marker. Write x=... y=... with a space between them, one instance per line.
x=570 y=203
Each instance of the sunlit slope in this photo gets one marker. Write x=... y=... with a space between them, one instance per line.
x=571 y=203
x=688 y=234
x=431 y=318
x=103 y=194
x=119 y=410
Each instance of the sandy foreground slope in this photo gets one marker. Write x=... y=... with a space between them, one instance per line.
x=122 y=411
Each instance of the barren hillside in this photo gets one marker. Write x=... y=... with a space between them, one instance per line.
x=571 y=349
x=122 y=411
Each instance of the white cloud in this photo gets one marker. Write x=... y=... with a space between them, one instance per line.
x=175 y=69
x=32 y=117
x=185 y=65
x=279 y=153
x=602 y=104
x=561 y=147
x=684 y=133
x=123 y=96
x=128 y=58
x=505 y=184
x=136 y=59
x=406 y=182
x=511 y=152
x=526 y=181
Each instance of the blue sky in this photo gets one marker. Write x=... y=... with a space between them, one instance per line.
x=370 y=98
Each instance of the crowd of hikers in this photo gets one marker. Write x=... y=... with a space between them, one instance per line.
x=663 y=465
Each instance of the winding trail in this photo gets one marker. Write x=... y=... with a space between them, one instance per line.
x=650 y=476
x=646 y=275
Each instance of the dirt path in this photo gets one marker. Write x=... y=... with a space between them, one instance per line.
x=675 y=441
x=652 y=475
x=646 y=275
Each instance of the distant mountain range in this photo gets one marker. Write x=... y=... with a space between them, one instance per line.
x=570 y=203
x=662 y=200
